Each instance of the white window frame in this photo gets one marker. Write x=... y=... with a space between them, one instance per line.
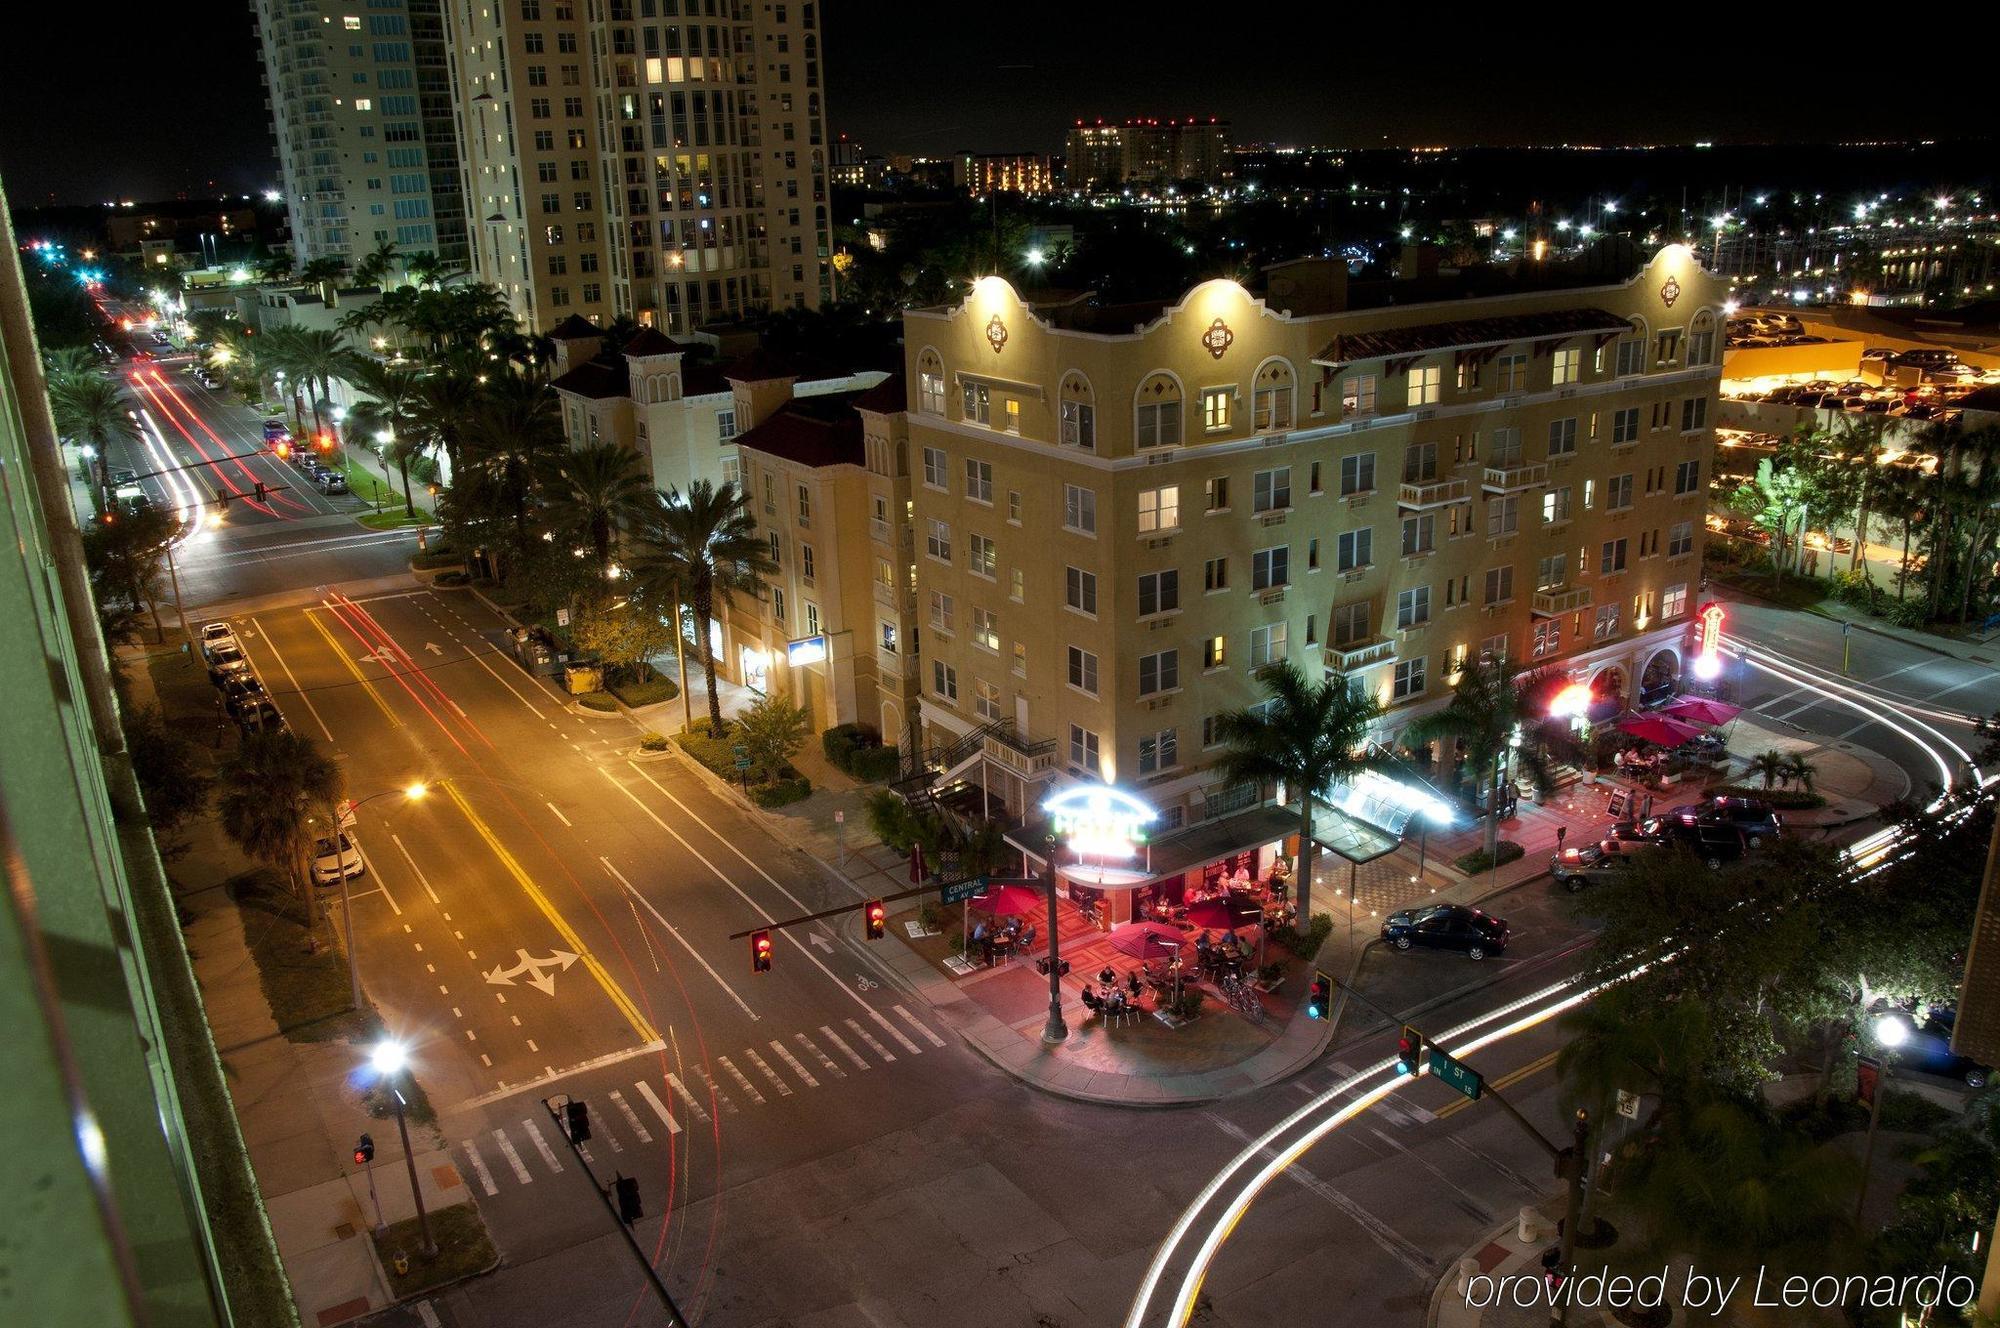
x=1160 y=510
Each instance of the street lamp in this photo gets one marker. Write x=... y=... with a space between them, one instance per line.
x=413 y=792
x=389 y=1058
x=1891 y=1030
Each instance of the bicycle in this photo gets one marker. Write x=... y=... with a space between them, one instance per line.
x=1242 y=998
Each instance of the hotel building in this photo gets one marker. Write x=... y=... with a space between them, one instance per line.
x=662 y=161
x=1107 y=157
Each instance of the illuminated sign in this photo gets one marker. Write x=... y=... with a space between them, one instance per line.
x=1571 y=701
x=1708 y=637
x=1100 y=821
x=805 y=650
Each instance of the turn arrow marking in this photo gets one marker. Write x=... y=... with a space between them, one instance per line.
x=434 y=647
x=533 y=968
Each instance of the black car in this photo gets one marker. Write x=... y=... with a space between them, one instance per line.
x=1714 y=843
x=1921 y=1041
x=1447 y=927
x=331 y=481
x=1756 y=818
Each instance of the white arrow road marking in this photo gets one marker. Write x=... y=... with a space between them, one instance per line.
x=479 y=1167
x=559 y=960
x=631 y=1117
x=845 y=1050
x=653 y=1101
x=542 y=1146
x=434 y=647
x=820 y=941
x=513 y=1158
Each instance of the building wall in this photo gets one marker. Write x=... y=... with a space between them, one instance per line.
x=1023 y=664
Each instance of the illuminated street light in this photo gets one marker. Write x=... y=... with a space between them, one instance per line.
x=1036 y=258
x=389 y=1058
x=1891 y=1030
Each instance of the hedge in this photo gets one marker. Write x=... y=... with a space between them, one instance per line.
x=781 y=792
x=875 y=764
x=1305 y=944
x=597 y=701
x=842 y=741
x=650 y=692
x=1789 y=800
x=715 y=753
x=1476 y=861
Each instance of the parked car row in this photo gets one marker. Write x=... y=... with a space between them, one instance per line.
x=1716 y=830
x=243 y=697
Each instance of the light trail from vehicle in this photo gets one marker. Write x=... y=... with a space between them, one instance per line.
x=228 y=452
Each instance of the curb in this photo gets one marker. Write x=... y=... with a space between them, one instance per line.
x=1443 y=1286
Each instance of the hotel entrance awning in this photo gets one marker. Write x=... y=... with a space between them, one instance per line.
x=1212 y=841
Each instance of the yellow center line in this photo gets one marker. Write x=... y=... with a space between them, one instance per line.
x=1504 y=1081
x=353 y=668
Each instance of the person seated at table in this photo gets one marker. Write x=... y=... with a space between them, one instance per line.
x=1132 y=983
x=1229 y=948
x=1202 y=944
x=1114 y=1001
x=1090 y=1001
x=1027 y=936
x=979 y=931
x=1107 y=977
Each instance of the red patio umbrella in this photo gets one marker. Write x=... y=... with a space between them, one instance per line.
x=1660 y=729
x=1228 y=911
x=1701 y=710
x=1002 y=901
x=1147 y=940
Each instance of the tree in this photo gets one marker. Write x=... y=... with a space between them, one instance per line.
x=269 y=793
x=423 y=267
x=1769 y=766
x=516 y=431
x=309 y=356
x=127 y=556
x=442 y=412
x=705 y=544
x=89 y=408
x=1800 y=771
x=1776 y=500
x=172 y=776
x=387 y=407
x=321 y=273
x=627 y=635
x=595 y=491
x=371 y=270
x=1492 y=703
x=771 y=731
x=1306 y=735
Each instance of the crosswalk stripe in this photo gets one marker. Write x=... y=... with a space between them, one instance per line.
x=793 y=1061
x=513 y=1158
x=868 y=1038
x=688 y=1099
x=826 y=1061
x=653 y=1101
x=742 y=1080
x=583 y=1151
x=915 y=1023
x=479 y=1167
x=845 y=1050
x=1395 y=1116
x=607 y=1136
x=542 y=1145
x=896 y=1033
x=631 y=1117
x=784 y=1089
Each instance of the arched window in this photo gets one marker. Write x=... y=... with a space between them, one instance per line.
x=1632 y=350
x=930 y=383
x=1157 y=412
x=1273 y=396
x=1077 y=405
x=1701 y=339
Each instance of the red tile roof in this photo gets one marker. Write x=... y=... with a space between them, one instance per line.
x=811 y=431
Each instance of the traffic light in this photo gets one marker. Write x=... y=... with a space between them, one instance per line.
x=1319 y=998
x=576 y=1115
x=364 y=1151
x=284 y=450
x=260 y=491
x=760 y=952
x=1409 y=1050
x=630 y=1210
x=876 y=917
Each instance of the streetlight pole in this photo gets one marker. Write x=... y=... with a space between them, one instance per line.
x=412 y=792
x=180 y=605
x=1055 y=1030
x=389 y=1060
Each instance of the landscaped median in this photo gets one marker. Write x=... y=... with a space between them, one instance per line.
x=721 y=755
x=390 y=509
x=463 y=1250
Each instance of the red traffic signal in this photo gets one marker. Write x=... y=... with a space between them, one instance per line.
x=364 y=1151
x=1409 y=1050
x=1319 y=999
x=324 y=442
x=760 y=952
x=876 y=917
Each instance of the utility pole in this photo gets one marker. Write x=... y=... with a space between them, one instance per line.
x=1055 y=1030
x=180 y=605
x=674 y=1315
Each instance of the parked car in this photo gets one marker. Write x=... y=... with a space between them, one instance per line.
x=226 y=662
x=1447 y=927
x=1713 y=843
x=1924 y=1042
x=275 y=428
x=1595 y=864
x=330 y=481
x=217 y=633
x=242 y=693
x=1756 y=818
x=335 y=857
x=263 y=717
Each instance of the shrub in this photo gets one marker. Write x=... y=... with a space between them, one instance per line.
x=1189 y=1004
x=1305 y=944
x=782 y=791
x=1907 y=613
x=1477 y=861
x=874 y=764
x=771 y=732
x=715 y=753
x=1272 y=971
x=597 y=701
x=651 y=692
x=653 y=742
x=843 y=742
x=1791 y=800
x=452 y=578
x=892 y=821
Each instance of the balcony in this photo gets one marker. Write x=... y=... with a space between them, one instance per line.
x=1430 y=493
x=1360 y=654
x=1555 y=603
x=1515 y=477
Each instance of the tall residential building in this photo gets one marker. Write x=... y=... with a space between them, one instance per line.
x=1121 y=513
x=1107 y=157
x=649 y=158
x=361 y=108
x=981 y=173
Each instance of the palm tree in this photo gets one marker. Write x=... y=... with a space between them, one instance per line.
x=278 y=267
x=1306 y=735
x=356 y=322
x=704 y=543
x=1493 y=702
x=1800 y=771
x=70 y=362
x=515 y=427
x=442 y=413
x=387 y=408
x=311 y=356
x=269 y=793
x=321 y=273
x=596 y=491
x=423 y=267
x=1770 y=766
x=90 y=408
x=371 y=270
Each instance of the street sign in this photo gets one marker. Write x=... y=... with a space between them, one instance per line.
x=742 y=763
x=1458 y=1074
x=957 y=892
x=1628 y=1105
x=562 y=617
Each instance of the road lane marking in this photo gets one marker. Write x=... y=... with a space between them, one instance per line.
x=915 y=1023
x=844 y=1049
x=278 y=655
x=1471 y=1205
x=659 y=1107
x=559 y=816
x=542 y=1145
x=869 y=1038
x=826 y=1061
x=479 y=1167
x=639 y=1022
x=1531 y=1186
x=763 y=1068
x=661 y=918
x=725 y=840
x=513 y=1158
x=548 y=1074
x=742 y=1080
x=394 y=721
x=631 y=1117
x=896 y=1033
x=717 y=1095
x=798 y=1069
x=687 y=1098
x=1512 y=1077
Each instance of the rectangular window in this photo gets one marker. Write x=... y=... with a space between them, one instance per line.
x=770 y=494
x=806 y=563
x=1020 y=659
x=1413 y=607
x=1409 y=679
x=1080 y=509
x=1214 y=652
x=943 y=611
x=1568 y=366
x=1215 y=574
x=1013 y=424
x=805 y=506
x=1013 y=507
x=1079 y=425
x=725 y=425
x=1312 y=479
x=1687 y=477
x=1607 y=622
x=1357 y=394
x=1513 y=373
x=1680 y=538
x=1271 y=568
x=1503 y=515
x=1419 y=534
x=937 y=539
x=985 y=699
x=985 y=628
x=979 y=480
x=1493 y=649
x=1159 y=751
x=1159 y=424
x=944 y=680
x=1312 y=554
x=1552 y=572
x=1271 y=490
x=1618 y=493
x=1631 y=357
x=1625 y=426
x=1667 y=346
x=1420 y=461
x=1674 y=601
x=1425 y=383
x=777 y=605
x=978 y=403
x=1694 y=414
x=1083 y=750
x=1357 y=549
x=1159 y=592
x=1611 y=557
x=1357 y=474
x=1505 y=450
x=1271 y=408
x=1083 y=670
x=981 y=556
x=1548 y=638
x=1160 y=509
x=1267 y=644
x=1215 y=408
x=1562 y=438
x=1555 y=505
x=1160 y=672
x=1499 y=584
x=931 y=392
x=935 y=467
x=1080 y=590
x=1468 y=375
x=1701 y=346
x=1215 y=493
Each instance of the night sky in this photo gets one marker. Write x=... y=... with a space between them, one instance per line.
x=146 y=100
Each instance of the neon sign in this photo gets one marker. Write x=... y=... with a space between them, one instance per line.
x=1100 y=821
x=1708 y=637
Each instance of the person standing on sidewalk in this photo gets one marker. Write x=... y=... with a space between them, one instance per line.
x=1562 y=833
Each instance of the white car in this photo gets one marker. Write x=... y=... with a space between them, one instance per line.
x=332 y=860
x=217 y=634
